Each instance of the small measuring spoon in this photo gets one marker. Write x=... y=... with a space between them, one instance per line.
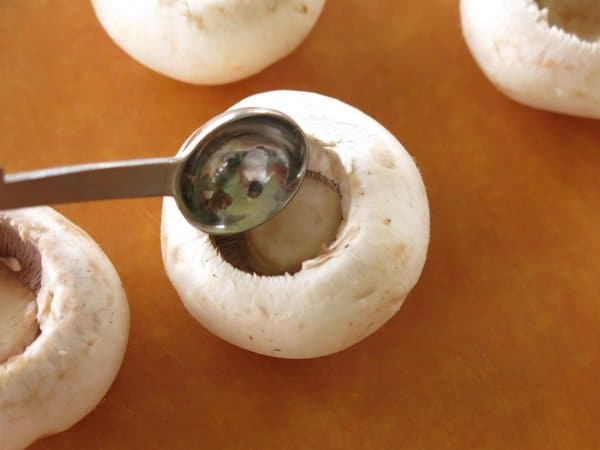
x=231 y=175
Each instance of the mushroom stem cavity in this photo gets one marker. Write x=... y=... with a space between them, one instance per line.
x=304 y=230
x=580 y=18
x=18 y=323
x=19 y=281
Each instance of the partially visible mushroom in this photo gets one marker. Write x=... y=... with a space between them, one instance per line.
x=208 y=41
x=64 y=322
x=334 y=265
x=542 y=53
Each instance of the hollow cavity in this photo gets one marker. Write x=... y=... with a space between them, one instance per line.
x=19 y=283
x=580 y=18
x=305 y=228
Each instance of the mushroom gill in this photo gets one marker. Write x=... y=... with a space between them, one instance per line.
x=580 y=18
x=20 y=270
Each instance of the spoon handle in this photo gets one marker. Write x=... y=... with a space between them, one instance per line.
x=98 y=181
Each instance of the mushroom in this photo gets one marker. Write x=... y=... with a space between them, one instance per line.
x=542 y=53
x=334 y=265
x=64 y=322
x=208 y=41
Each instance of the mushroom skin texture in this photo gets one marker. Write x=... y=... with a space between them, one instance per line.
x=357 y=283
x=83 y=320
x=208 y=41
x=541 y=53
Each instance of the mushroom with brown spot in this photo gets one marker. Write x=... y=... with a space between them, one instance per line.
x=330 y=260
x=64 y=322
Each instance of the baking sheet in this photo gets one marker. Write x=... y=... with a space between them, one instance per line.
x=496 y=347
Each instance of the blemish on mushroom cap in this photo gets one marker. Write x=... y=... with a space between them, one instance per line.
x=321 y=294
x=84 y=320
x=527 y=57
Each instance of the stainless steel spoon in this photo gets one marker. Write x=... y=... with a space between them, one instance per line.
x=231 y=175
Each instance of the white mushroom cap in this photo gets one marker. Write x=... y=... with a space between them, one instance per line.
x=546 y=57
x=208 y=41
x=83 y=320
x=356 y=284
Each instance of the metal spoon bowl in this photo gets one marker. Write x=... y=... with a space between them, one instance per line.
x=240 y=170
x=231 y=175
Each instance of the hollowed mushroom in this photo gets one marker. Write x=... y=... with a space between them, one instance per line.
x=208 y=41
x=542 y=53
x=64 y=322
x=334 y=265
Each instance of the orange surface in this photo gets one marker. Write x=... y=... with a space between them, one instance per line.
x=497 y=347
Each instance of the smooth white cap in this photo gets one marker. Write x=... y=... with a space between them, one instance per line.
x=208 y=41
x=352 y=288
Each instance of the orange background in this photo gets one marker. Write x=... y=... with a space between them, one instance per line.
x=497 y=346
